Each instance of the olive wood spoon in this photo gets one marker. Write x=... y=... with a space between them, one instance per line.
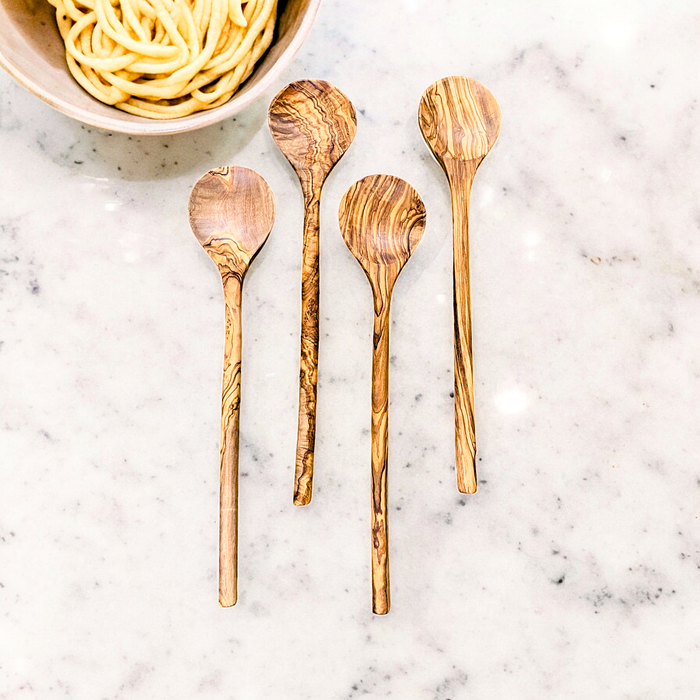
x=382 y=220
x=231 y=214
x=313 y=124
x=460 y=121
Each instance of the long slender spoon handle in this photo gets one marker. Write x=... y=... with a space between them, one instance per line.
x=380 y=453
x=308 y=372
x=461 y=176
x=230 y=412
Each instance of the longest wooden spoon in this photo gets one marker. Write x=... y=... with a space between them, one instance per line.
x=460 y=121
x=231 y=213
x=313 y=123
x=382 y=220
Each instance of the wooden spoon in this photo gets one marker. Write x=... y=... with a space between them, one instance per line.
x=460 y=120
x=382 y=220
x=231 y=214
x=313 y=123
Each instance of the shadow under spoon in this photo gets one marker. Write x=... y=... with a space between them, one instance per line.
x=231 y=211
x=313 y=124
x=460 y=121
x=382 y=220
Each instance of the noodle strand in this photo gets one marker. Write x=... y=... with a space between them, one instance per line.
x=164 y=59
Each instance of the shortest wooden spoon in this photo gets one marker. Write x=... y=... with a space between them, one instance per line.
x=231 y=214
x=460 y=121
x=382 y=220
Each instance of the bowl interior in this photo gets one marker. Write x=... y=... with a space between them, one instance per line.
x=32 y=51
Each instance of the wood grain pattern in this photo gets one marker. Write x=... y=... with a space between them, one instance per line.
x=382 y=220
x=460 y=121
x=313 y=123
x=231 y=214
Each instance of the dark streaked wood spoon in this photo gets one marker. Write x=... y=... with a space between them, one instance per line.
x=382 y=220
x=460 y=121
x=313 y=123
x=231 y=214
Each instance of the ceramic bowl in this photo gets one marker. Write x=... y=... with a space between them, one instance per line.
x=32 y=52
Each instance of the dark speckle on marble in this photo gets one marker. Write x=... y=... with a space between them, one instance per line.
x=450 y=688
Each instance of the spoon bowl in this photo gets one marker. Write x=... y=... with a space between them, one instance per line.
x=231 y=214
x=313 y=124
x=382 y=219
x=460 y=119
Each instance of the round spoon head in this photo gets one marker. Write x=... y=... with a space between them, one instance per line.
x=231 y=214
x=459 y=118
x=382 y=219
x=313 y=124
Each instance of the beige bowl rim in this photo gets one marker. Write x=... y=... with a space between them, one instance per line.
x=155 y=127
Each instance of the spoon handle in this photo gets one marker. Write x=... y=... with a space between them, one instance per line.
x=230 y=411
x=380 y=451
x=465 y=430
x=308 y=373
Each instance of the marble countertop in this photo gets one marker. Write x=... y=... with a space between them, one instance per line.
x=575 y=570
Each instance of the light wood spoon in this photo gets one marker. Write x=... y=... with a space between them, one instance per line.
x=231 y=214
x=382 y=220
x=460 y=121
x=313 y=123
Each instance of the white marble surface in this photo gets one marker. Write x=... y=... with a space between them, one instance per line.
x=574 y=573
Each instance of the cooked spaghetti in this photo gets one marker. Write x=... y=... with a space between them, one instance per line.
x=164 y=58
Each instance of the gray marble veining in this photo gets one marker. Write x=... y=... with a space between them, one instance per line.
x=573 y=573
